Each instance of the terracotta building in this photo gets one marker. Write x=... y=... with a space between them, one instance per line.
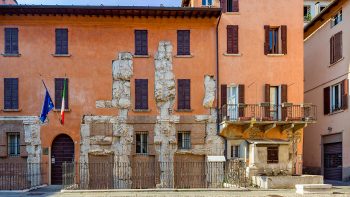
x=327 y=85
x=260 y=78
x=154 y=84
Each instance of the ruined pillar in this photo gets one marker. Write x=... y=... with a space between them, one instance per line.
x=165 y=131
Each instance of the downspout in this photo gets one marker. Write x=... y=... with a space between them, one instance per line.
x=217 y=83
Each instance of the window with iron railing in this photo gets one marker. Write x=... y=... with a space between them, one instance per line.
x=13 y=144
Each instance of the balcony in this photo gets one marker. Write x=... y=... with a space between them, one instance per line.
x=266 y=117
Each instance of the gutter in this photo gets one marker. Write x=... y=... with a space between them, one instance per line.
x=217 y=73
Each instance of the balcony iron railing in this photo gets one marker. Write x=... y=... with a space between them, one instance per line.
x=268 y=112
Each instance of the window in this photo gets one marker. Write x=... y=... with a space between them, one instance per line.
x=141 y=42
x=272 y=154
x=59 y=86
x=232 y=6
x=13 y=144
x=183 y=42
x=141 y=143
x=10 y=93
x=184 y=94
x=11 y=40
x=141 y=93
x=61 y=41
x=207 y=2
x=184 y=140
x=336 y=47
x=336 y=97
x=234 y=151
x=307 y=13
x=275 y=40
x=232 y=39
x=337 y=18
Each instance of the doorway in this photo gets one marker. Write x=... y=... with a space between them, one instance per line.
x=62 y=151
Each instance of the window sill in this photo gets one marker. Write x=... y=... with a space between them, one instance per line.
x=275 y=55
x=233 y=13
x=142 y=154
x=141 y=56
x=141 y=110
x=233 y=54
x=336 y=112
x=11 y=55
x=58 y=110
x=184 y=110
x=11 y=110
x=334 y=63
x=183 y=56
x=61 y=55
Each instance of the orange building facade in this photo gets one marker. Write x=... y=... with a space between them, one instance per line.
x=260 y=82
x=154 y=84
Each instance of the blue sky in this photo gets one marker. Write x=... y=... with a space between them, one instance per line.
x=169 y=3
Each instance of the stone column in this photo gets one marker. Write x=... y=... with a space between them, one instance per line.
x=165 y=132
x=33 y=148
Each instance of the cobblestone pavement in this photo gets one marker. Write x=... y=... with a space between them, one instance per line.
x=55 y=192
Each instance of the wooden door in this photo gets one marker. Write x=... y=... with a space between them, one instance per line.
x=62 y=151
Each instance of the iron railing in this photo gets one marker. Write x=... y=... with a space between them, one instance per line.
x=267 y=112
x=20 y=176
x=143 y=175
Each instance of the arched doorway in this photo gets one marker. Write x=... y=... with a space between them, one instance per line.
x=62 y=151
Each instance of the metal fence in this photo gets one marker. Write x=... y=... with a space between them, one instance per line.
x=268 y=112
x=143 y=175
x=20 y=176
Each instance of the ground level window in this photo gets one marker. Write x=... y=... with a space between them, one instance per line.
x=141 y=143
x=234 y=151
x=184 y=140
x=272 y=154
x=13 y=144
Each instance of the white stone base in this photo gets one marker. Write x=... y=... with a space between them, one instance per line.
x=313 y=189
x=285 y=182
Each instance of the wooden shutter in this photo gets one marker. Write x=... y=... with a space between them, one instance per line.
x=64 y=41
x=331 y=47
x=338 y=46
x=7 y=40
x=10 y=93
x=223 y=91
x=267 y=39
x=58 y=93
x=141 y=93
x=284 y=99
x=187 y=42
x=284 y=38
x=14 y=41
x=267 y=100
x=183 y=42
x=144 y=42
x=326 y=100
x=58 y=41
x=141 y=42
x=232 y=39
x=345 y=93
x=184 y=94
x=223 y=5
x=284 y=95
x=241 y=99
x=235 y=6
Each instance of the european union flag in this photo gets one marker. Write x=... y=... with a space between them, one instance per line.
x=47 y=106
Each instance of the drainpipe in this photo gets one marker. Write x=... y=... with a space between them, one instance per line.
x=217 y=80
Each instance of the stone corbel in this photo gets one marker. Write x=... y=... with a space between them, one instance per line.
x=247 y=127
x=287 y=127
x=269 y=127
x=299 y=126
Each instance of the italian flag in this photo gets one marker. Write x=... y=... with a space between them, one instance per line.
x=63 y=101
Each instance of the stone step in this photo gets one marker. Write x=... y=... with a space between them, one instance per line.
x=313 y=188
